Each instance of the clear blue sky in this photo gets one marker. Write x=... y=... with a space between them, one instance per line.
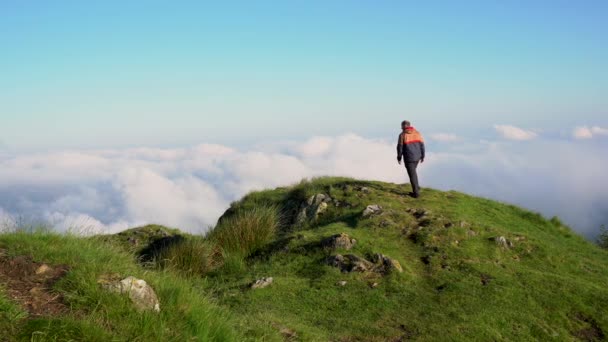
x=123 y=73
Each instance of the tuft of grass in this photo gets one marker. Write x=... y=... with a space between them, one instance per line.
x=246 y=231
x=195 y=256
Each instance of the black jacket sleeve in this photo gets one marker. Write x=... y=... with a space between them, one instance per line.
x=399 y=147
x=422 y=149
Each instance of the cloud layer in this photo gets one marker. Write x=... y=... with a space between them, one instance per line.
x=514 y=133
x=189 y=188
x=586 y=132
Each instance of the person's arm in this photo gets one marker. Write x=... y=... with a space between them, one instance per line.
x=422 y=151
x=399 y=148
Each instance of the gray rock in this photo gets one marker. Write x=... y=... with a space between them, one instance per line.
x=341 y=283
x=371 y=210
x=503 y=242
x=349 y=263
x=262 y=283
x=43 y=269
x=364 y=189
x=339 y=241
x=464 y=224
x=313 y=207
x=141 y=294
x=385 y=264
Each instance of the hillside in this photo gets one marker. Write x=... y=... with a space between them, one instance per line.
x=349 y=260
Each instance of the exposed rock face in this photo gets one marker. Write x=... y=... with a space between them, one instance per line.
x=339 y=241
x=262 y=283
x=141 y=294
x=371 y=210
x=313 y=207
x=503 y=242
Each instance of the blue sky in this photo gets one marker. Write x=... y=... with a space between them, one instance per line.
x=166 y=73
x=110 y=108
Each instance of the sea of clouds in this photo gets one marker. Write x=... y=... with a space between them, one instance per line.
x=111 y=190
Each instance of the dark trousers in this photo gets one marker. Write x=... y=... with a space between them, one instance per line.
x=411 y=172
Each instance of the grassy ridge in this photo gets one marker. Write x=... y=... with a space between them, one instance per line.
x=458 y=282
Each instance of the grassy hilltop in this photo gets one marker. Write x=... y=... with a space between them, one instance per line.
x=350 y=261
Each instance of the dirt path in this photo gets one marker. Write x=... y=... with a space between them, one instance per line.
x=30 y=283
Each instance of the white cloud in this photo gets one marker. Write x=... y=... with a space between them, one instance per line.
x=189 y=188
x=585 y=132
x=445 y=137
x=515 y=133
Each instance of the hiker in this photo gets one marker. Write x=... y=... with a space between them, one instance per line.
x=410 y=146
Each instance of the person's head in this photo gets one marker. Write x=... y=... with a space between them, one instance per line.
x=405 y=124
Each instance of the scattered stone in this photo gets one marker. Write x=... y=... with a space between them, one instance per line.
x=385 y=264
x=339 y=241
x=349 y=263
x=386 y=223
x=313 y=207
x=464 y=224
x=364 y=189
x=471 y=232
x=262 y=283
x=372 y=209
x=485 y=279
x=373 y=285
x=43 y=269
x=341 y=283
x=289 y=334
x=141 y=294
x=503 y=242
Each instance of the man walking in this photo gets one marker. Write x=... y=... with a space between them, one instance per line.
x=411 y=147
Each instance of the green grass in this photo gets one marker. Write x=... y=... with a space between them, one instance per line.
x=186 y=312
x=534 y=291
x=457 y=283
x=246 y=231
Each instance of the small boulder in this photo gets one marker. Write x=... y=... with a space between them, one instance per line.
x=141 y=294
x=262 y=283
x=341 y=283
x=349 y=263
x=371 y=210
x=339 y=241
x=503 y=242
x=43 y=269
x=385 y=264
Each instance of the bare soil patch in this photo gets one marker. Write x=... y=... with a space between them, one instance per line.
x=30 y=284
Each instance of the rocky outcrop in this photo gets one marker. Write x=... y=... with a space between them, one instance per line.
x=349 y=263
x=312 y=208
x=372 y=210
x=262 y=283
x=141 y=294
x=385 y=264
x=339 y=241
x=377 y=263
